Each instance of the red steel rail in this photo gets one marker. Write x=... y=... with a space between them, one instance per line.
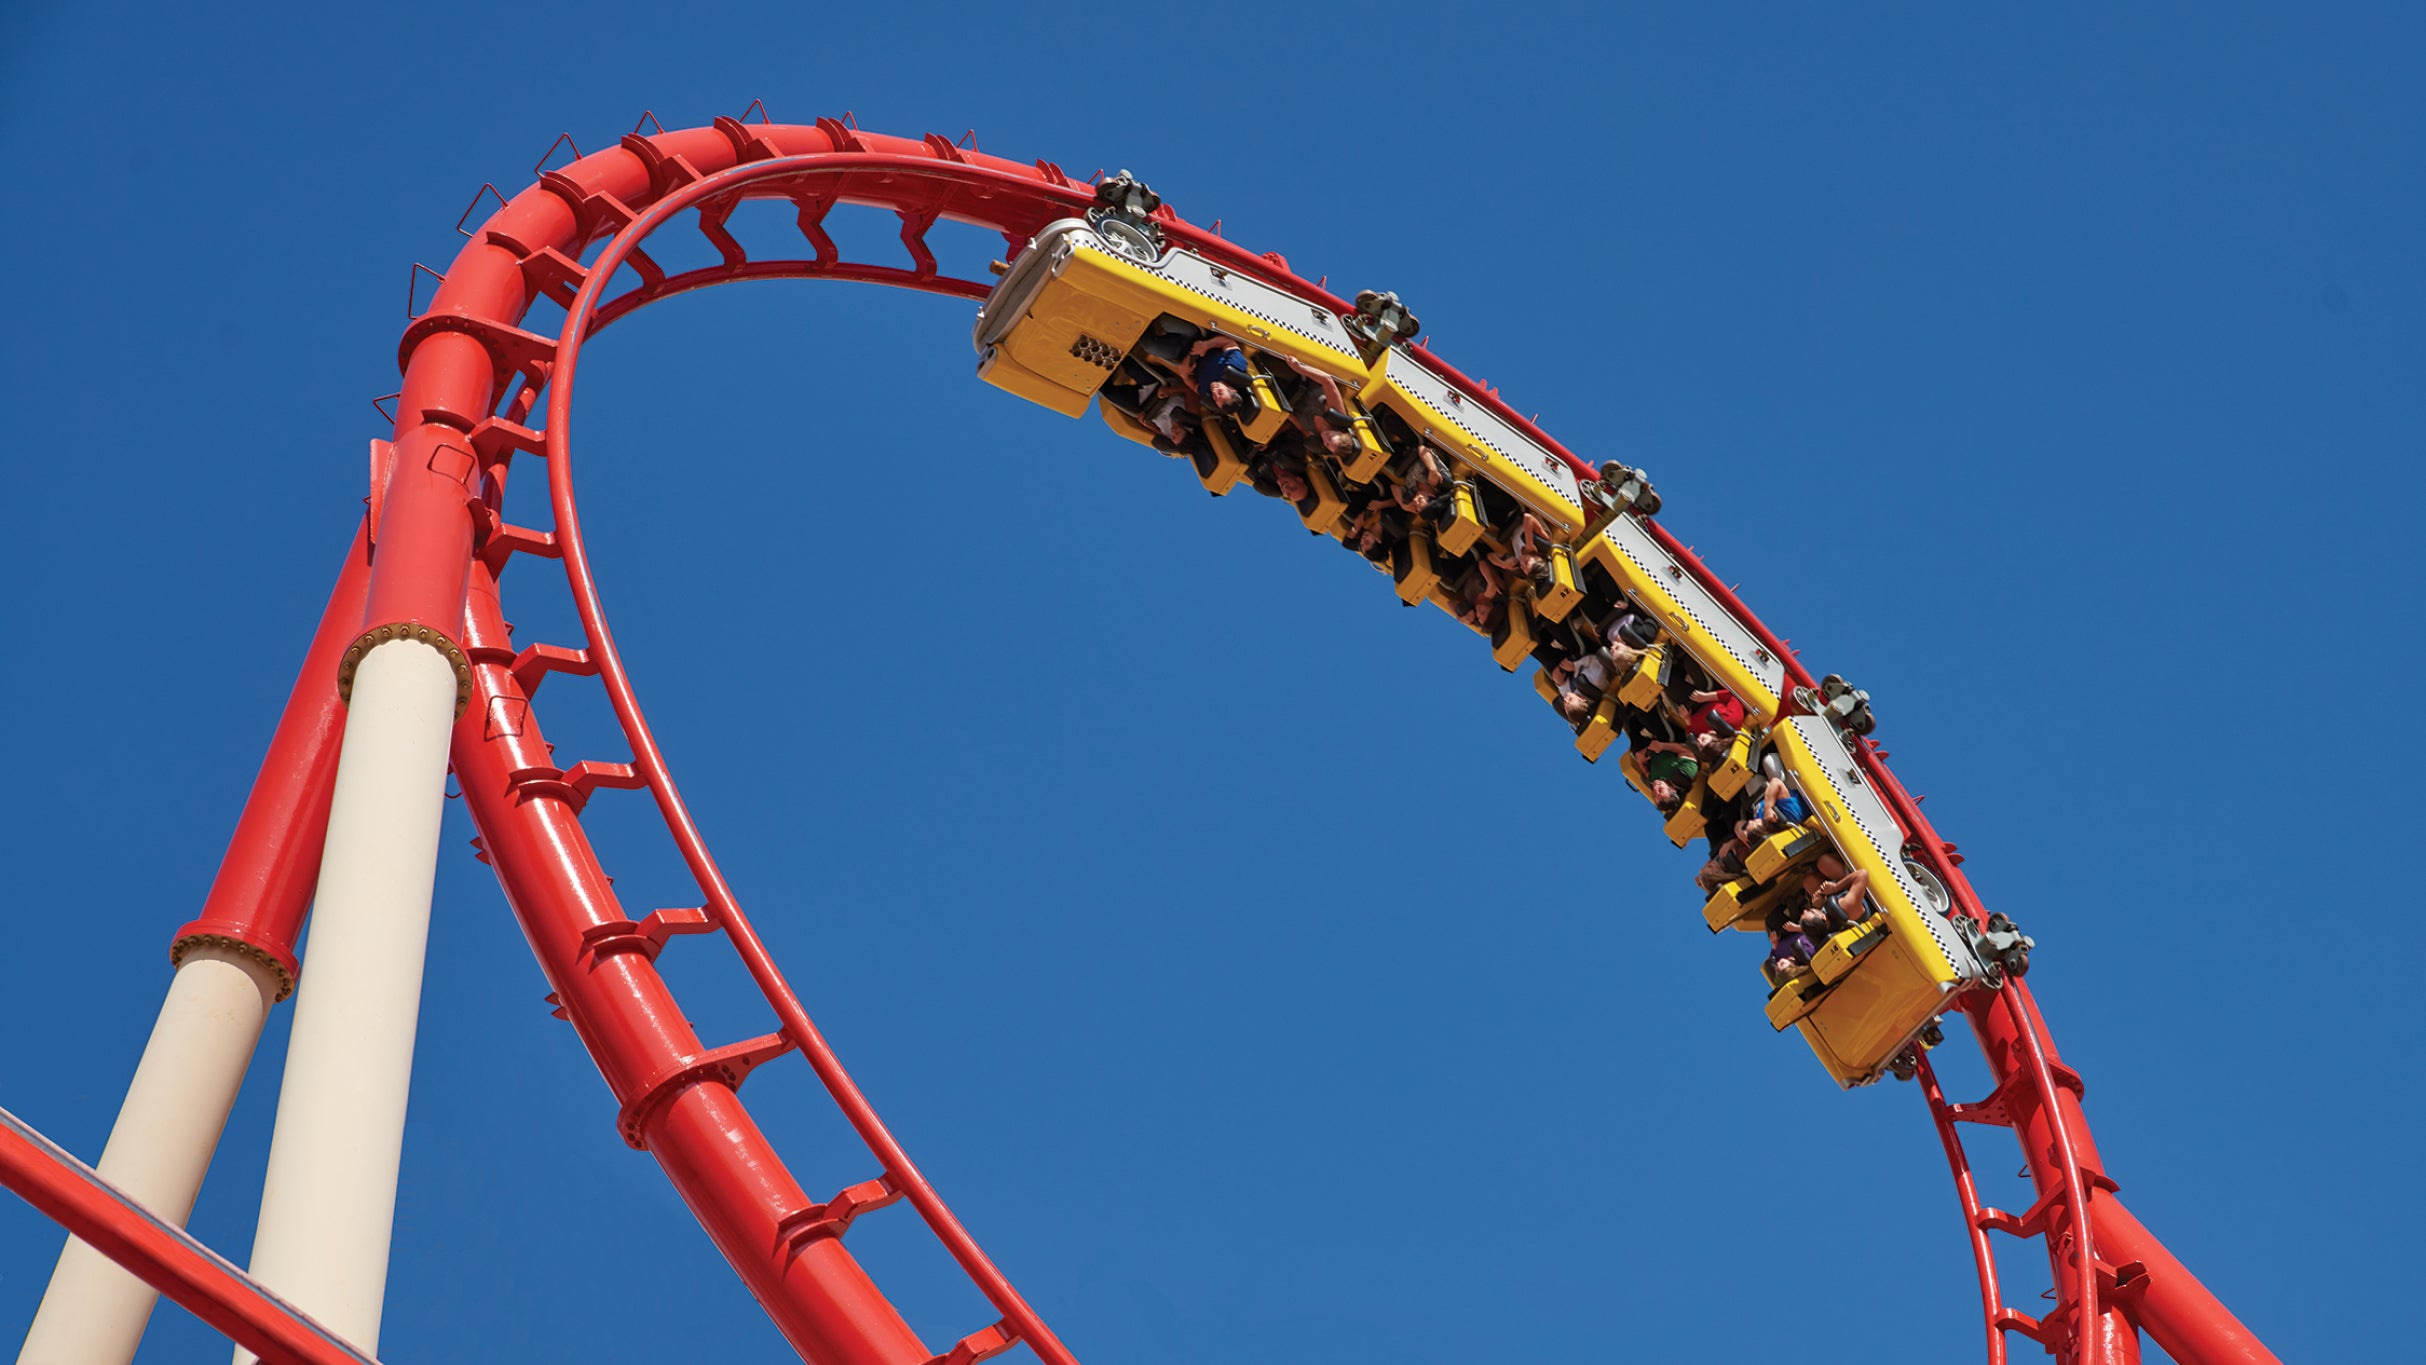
x=160 y=1253
x=2104 y=1255
x=472 y=379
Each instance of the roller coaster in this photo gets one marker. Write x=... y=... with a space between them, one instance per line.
x=1242 y=372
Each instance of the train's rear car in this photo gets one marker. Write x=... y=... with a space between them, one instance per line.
x=1874 y=987
x=1076 y=301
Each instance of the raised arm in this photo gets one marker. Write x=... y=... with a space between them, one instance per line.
x=1322 y=381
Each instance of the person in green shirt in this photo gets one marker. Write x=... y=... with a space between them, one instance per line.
x=1670 y=768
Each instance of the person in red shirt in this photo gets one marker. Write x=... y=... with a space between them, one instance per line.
x=1717 y=715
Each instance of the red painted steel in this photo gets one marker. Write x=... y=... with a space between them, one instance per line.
x=472 y=380
x=612 y=995
x=161 y=1254
x=2182 y=1314
x=272 y=863
x=2030 y=1082
x=1966 y=1189
x=423 y=539
x=920 y=181
x=783 y=1244
x=723 y=906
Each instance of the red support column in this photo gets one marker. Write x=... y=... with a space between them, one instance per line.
x=264 y=887
x=232 y=964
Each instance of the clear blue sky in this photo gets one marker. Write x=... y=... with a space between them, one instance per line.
x=2056 y=379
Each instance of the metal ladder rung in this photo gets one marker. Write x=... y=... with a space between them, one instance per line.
x=977 y=1346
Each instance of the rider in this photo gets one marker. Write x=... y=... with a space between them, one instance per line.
x=1217 y=366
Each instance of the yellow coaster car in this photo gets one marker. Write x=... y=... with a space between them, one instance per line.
x=1690 y=616
x=1070 y=312
x=1874 y=987
x=1076 y=301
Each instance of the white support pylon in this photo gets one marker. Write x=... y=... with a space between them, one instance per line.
x=94 y=1312
x=328 y=1200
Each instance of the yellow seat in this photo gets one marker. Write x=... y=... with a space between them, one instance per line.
x=1788 y=1004
x=1465 y=524
x=1685 y=823
x=1543 y=685
x=1411 y=565
x=1564 y=592
x=1742 y=904
x=1597 y=733
x=1846 y=946
x=1271 y=413
x=1219 y=468
x=1371 y=452
x=1512 y=638
x=1736 y=768
x=1631 y=763
x=1784 y=849
x=1322 y=508
x=1643 y=687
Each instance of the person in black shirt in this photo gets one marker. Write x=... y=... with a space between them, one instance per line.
x=1321 y=412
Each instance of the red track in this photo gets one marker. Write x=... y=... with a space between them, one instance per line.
x=436 y=546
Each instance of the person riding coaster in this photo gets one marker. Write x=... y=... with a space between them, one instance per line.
x=1321 y=411
x=1834 y=899
x=1209 y=365
x=1218 y=369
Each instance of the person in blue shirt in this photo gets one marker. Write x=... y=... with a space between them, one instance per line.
x=1217 y=366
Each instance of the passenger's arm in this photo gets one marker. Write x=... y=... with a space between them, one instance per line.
x=1322 y=381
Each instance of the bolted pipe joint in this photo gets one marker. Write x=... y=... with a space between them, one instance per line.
x=405 y=630
x=228 y=936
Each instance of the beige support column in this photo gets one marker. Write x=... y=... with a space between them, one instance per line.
x=328 y=1201
x=94 y=1313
